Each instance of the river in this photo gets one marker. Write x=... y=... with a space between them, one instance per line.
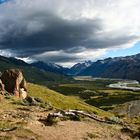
x=126 y=84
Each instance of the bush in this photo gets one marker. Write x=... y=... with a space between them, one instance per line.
x=87 y=94
x=52 y=120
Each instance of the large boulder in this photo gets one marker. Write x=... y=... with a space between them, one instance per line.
x=14 y=82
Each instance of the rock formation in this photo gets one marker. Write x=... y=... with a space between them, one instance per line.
x=2 y=90
x=1 y=87
x=14 y=82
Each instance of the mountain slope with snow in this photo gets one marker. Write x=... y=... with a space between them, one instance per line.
x=119 y=67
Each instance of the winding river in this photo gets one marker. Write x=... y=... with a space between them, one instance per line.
x=126 y=85
x=121 y=84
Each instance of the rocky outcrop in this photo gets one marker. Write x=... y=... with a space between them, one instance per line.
x=14 y=82
x=131 y=109
x=1 y=87
x=2 y=90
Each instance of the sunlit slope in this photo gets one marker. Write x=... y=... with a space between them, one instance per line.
x=60 y=101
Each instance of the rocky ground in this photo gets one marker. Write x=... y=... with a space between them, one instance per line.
x=20 y=122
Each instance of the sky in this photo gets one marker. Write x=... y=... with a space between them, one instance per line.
x=124 y=52
x=69 y=31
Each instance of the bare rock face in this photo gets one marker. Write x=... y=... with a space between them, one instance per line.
x=2 y=90
x=14 y=82
x=1 y=86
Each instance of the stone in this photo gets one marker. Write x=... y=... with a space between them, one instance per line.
x=2 y=90
x=31 y=100
x=22 y=93
x=14 y=82
x=39 y=100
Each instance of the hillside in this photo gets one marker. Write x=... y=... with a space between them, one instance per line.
x=119 y=67
x=21 y=121
x=28 y=118
x=60 y=101
x=32 y=74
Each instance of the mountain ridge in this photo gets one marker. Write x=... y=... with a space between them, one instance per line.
x=31 y=73
x=127 y=67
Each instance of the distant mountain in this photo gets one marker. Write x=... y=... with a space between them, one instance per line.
x=51 y=67
x=119 y=67
x=77 y=68
x=31 y=73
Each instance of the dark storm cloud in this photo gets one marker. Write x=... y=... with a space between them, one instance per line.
x=51 y=33
x=48 y=32
x=59 y=58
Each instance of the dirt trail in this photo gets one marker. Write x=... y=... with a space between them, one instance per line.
x=72 y=130
x=64 y=130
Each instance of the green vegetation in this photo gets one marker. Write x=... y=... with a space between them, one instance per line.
x=7 y=124
x=65 y=93
x=133 y=85
x=60 y=101
x=97 y=93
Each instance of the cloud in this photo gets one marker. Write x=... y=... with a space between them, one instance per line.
x=67 y=31
x=67 y=59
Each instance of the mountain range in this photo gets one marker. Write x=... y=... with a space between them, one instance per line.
x=118 y=67
x=52 y=67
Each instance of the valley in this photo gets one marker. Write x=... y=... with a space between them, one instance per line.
x=104 y=93
x=109 y=98
x=69 y=70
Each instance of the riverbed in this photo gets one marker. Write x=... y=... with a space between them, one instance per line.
x=121 y=83
x=126 y=84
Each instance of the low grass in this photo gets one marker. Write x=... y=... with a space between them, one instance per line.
x=5 y=137
x=19 y=132
x=7 y=124
x=23 y=133
x=61 y=101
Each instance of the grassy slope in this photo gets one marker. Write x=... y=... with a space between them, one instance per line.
x=61 y=101
x=35 y=75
